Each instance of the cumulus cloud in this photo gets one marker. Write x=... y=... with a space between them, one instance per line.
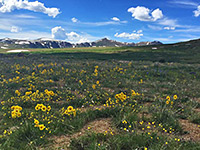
x=60 y=34
x=197 y=12
x=14 y=29
x=144 y=14
x=74 y=19
x=169 y=28
x=74 y=37
x=115 y=19
x=132 y=36
x=157 y=14
x=10 y=5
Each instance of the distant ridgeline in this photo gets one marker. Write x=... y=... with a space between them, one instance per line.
x=8 y=43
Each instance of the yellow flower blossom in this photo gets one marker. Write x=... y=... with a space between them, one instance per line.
x=36 y=121
x=19 y=114
x=168 y=98
x=70 y=108
x=48 y=108
x=44 y=108
x=41 y=127
x=175 y=97
x=94 y=86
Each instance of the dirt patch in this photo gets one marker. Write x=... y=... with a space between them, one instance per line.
x=97 y=126
x=147 y=104
x=197 y=110
x=108 y=89
x=192 y=129
x=100 y=126
x=197 y=100
x=145 y=113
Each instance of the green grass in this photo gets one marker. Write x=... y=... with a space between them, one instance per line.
x=154 y=74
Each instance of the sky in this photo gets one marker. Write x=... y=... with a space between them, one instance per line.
x=77 y=21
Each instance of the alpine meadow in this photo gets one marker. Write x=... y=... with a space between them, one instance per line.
x=65 y=85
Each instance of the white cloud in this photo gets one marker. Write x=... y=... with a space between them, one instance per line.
x=139 y=31
x=169 y=28
x=185 y=3
x=74 y=20
x=23 y=16
x=172 y=23
x=157 y=14
x=132 y=36
x=168 y=22
x=192 y=29
x=197 y=12
x=144 y=14
x=74 y=37
x=15 y=29
x=115 y=19
x=60 y=34
x=10 y=5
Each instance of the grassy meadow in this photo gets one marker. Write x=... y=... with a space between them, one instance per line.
x=101 y=98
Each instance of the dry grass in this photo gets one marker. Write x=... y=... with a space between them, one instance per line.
x=192 y=129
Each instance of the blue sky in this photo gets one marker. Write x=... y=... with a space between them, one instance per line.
x=77 y=21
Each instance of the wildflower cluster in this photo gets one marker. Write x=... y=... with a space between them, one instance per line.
x=96 y=71
x=17 y=92
x=42 y=107
x=151 y=129
x=70 y=111
x=120 y=97
x=133 y=93
x=169 y=100
x=123 y=99
x=49 y=93
x=16 y=111
x=40 y=126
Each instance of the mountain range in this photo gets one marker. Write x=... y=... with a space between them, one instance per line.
x=8 y=43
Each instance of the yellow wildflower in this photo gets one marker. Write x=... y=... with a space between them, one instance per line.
x=168 y=98
x=19 y=114
x=48 y=108
x=94 y=86
x=36 y=121
x=70 y=108
x=44 y=108
x=175 y=97
x=41 y=127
